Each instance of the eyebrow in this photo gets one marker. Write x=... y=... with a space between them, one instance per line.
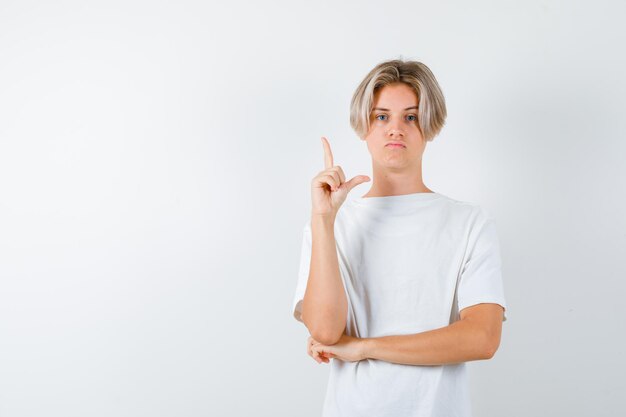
x=380 y=108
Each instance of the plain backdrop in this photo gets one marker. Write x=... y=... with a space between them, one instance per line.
x=155 y=165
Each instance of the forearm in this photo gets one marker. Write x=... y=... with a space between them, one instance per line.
x=461 y=341
x=324 y=306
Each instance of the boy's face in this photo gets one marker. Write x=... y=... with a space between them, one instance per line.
x=394 y=119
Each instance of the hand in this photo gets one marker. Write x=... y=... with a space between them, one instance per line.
x=347 y=349
x=318 y=356
x=329 y=187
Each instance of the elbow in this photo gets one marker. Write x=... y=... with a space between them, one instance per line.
x=488 y=353
x=325 y=338
x=326 y=335
x=324 y=330
x=490 y=347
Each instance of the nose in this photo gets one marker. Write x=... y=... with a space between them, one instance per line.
x=395 y=131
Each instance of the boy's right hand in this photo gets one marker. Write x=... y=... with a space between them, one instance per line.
x=329 y=188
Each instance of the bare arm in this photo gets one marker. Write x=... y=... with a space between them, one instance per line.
x=324 y=307
x=476 y=336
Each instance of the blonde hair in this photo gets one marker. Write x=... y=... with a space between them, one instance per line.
x=431 y=103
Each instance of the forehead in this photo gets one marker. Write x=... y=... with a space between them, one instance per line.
x=395 y=96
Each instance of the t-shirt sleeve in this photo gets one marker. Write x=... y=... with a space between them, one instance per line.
x=303 y=272
x=481 y=275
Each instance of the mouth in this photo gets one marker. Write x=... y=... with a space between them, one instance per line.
x=394 y=145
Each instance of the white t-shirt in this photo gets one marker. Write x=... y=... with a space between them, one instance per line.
x=409 y=263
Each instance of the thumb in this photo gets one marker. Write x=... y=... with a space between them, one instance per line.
x=359 y=179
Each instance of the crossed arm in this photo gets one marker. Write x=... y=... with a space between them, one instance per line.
x=475 y=336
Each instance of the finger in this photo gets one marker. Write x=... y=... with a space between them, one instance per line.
x=311 y=343
x=337 y=169
x=333 y=173
x=359 y=179
x=331 y=181
x=324 y=178
x=324 y=354
x=328 y=155
x=316 y=355
x=342 y=176
x=312 y=354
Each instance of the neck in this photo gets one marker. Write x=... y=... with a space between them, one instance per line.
x=388 y=182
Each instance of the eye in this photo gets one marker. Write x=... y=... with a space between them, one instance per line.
x=380 y=115
x=414 y=118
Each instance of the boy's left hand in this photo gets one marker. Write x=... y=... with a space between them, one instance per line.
x=348 y=349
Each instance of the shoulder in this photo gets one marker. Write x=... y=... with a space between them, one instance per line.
x=472 y=211
x=471 y=217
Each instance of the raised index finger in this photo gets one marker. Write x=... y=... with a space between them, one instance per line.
x=328 y=155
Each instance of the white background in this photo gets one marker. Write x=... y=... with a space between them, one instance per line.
x=155 y=164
